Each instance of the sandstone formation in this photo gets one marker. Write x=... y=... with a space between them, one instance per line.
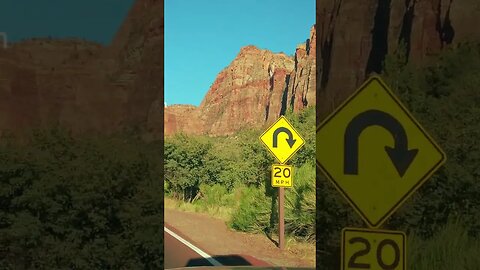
x=182 y=118
x=87 y=87
x=138 y=51
x=301 y=87
x=246 y=92
x=255 y=89
x=46 y=82
x=355 y=37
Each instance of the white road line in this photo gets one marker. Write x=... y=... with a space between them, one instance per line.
x=194 y=248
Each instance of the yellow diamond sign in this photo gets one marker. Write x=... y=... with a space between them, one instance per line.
x=375 y=152
x=282 y=140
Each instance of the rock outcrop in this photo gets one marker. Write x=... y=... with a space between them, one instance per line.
x=87 y=87
x=46 y=82
x=301 y=87
x=138 y=52
x=182 y=119
x=355 y=37
x=246 y=93
x=255 y=89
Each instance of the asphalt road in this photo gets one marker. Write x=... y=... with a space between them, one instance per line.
x=180 y=251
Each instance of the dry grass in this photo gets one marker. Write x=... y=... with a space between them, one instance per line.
x=219 y=212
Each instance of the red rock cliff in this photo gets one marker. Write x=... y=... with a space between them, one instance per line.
x=355 y=36
x=255 y=89
x=85 y=86
x=301 y=87
x=88 y=87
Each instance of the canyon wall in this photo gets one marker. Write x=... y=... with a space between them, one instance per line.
x=254 y=90
x=355 y=36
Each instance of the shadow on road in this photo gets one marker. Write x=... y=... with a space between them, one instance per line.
x=227 y=260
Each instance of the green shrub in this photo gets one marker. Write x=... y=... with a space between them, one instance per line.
x=304 y=123
x=216 y=195
x=235 y=172
x=166 y=188
x=84 y=203
x=443 y=96
x=258 y=212
x=450 y=248
x=253 y=212
x=300 y=203
x=185 y=165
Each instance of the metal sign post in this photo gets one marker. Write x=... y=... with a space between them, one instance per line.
x=283 y=141
x=281 y=218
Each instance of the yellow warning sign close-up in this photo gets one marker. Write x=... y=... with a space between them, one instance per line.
x=282 y=140
x=373 y=249
x=282 y=176
x=375 y=152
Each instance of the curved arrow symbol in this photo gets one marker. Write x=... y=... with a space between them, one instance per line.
x=290 y=139
x=400 y=155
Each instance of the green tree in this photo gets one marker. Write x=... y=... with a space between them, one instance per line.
x=443 y=96
x=85 y=203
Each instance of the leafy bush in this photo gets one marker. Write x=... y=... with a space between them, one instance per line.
x=235 y=172
x=450 y=248
x=216 y=196
x=257 y=212
x=304 y=123
x=333 y=213
x=300 y=203
x=443 y=96
x=85 y=203
x=253 y=213
x=185 y=165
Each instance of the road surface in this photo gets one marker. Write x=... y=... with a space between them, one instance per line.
x=180 y=251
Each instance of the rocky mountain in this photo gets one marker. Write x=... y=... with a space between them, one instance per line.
x=89 y=87
x=86 y=86
x=255 y=89
x=355 y=37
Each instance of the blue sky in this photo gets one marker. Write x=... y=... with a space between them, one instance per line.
x=95 y=20
x=203 y=37
x=193 y=56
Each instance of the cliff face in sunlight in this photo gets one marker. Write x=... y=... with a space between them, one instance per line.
x=256 y=88
x=355 y=36
x=85 y=86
